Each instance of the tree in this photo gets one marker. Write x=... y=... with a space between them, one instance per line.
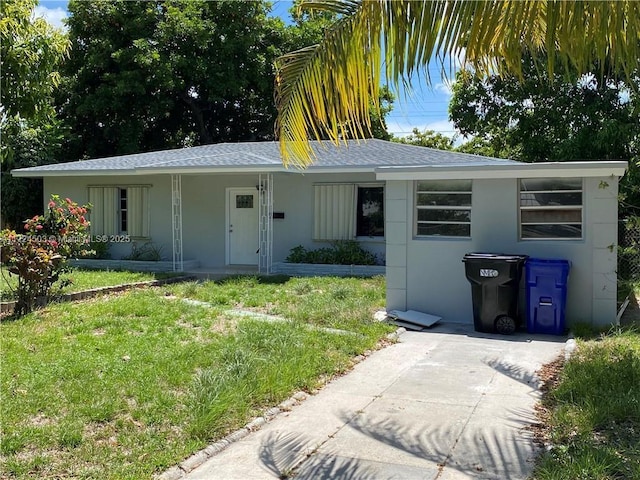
x=427 y=138
x=536 y=118
x=31 y=52
x=326 y=90
x=150 y=75
x=378 y=114
x=31 y=145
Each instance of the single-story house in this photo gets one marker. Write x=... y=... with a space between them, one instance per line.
x=420 y=209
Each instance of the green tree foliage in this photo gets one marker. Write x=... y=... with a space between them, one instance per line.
x=537 y=119
x=427 y=138
x=149 y=75
x=534 y=119
x=378 y=113
x=31 y=145
x=152 y=74
x=31 y=52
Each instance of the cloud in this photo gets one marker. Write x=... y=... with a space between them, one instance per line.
x=54 y=16
x=401 y=128
x=444 y=87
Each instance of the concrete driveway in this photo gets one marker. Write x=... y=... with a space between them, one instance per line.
x=448 y=403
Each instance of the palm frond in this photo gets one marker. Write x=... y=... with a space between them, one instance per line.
x=325 y=91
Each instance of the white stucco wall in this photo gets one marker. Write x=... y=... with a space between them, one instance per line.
x=76 y=188
x=204 y=210
x=427 y=274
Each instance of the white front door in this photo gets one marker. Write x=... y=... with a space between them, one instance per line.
x=242 y=226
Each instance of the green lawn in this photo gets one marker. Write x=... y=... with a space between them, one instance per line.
x=128 y=385
x=79 y=280
x=594 y=412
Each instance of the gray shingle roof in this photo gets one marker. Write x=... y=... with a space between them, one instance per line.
x=364 y=155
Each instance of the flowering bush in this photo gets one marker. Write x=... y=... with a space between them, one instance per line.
x=39 y=255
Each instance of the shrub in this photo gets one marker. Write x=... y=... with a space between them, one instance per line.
x=147 y=252
x=39 y=255
x=342 y=252
x=97 y=250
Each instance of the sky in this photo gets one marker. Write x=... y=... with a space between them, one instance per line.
x=424 y=107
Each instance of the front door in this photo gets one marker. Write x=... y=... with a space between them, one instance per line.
x=242 y=226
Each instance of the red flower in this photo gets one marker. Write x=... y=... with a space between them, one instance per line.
x=52 y=204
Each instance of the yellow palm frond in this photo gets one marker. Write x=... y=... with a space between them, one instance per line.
x=325 y=91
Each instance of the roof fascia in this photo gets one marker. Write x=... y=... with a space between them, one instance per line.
x=537 y=170
x=71 y=173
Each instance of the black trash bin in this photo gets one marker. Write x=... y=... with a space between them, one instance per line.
x=495 y=280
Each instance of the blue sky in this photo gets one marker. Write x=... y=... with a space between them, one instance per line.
x=423 y=108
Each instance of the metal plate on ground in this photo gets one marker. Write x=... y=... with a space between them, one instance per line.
x=414 y=317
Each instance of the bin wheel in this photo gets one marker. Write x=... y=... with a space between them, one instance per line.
x=505 y=325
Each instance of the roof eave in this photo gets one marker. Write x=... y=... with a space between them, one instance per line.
x=26 y=173
x=151 y=170
x=205 y=170
x=513 y=170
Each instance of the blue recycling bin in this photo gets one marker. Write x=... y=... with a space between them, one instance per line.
x=546 y=294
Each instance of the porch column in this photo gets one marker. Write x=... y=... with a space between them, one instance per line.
x=176 y=221
x=265 y=229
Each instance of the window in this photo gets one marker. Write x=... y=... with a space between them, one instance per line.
x=551 y=208
x=119 y=210
x=370 y=212
x=443 y=208
x=123 y=211
x=244 y=201
x=346 y=210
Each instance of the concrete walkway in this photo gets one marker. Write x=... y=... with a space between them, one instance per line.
x=448 y=403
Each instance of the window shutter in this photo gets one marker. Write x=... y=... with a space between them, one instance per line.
x=137 y=208
x=334 y=215
x=103 y=215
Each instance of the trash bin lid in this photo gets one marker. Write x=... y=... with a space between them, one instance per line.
x=548 y=261
x=494 y=256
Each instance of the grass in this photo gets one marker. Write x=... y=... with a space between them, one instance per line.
x=593 y=413
x=79 y=280
x=320 y=301
x=128 y=385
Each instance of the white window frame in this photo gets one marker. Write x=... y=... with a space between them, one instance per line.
x=550 y=208
x=418 y=208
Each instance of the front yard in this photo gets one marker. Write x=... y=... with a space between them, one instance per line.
x=128 y=385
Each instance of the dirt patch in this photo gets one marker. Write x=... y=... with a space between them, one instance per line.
x=549 y=375
x=41 y=420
